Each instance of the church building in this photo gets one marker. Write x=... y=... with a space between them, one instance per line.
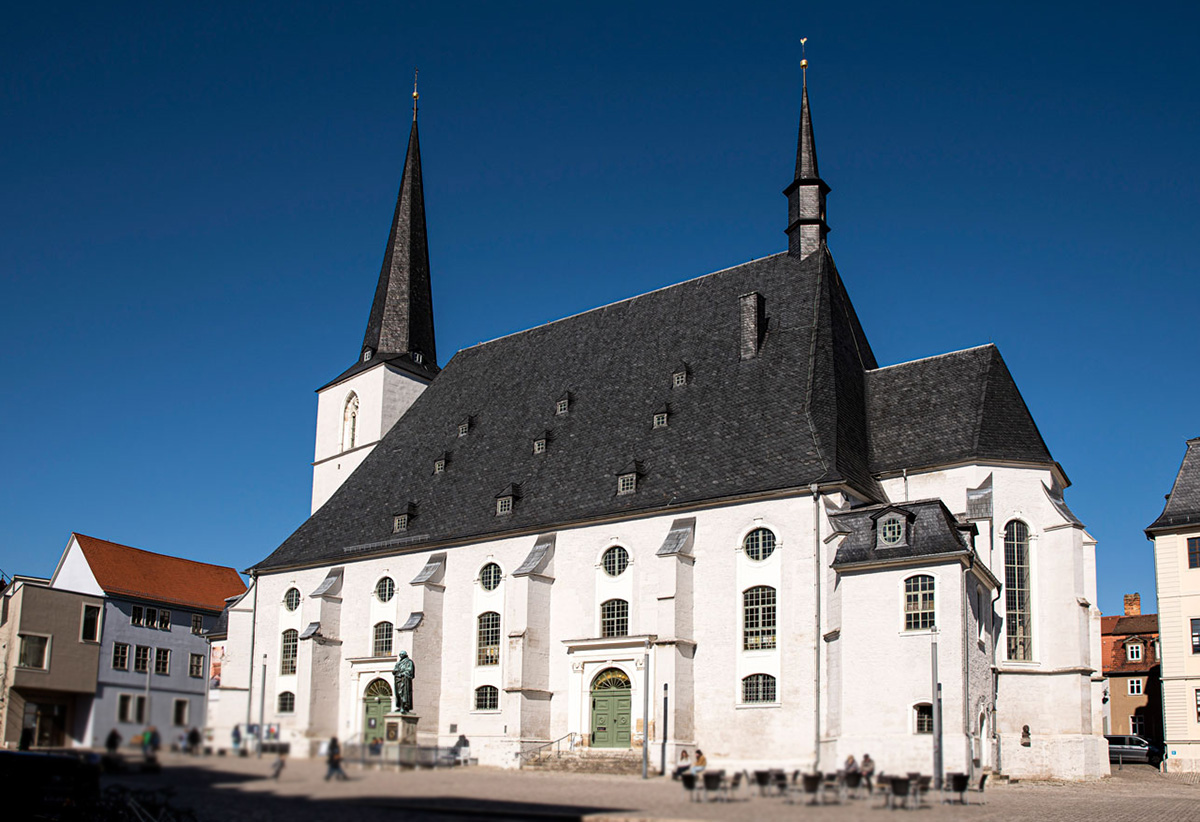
x=710 y=497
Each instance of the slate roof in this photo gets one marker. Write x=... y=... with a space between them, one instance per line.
x=1183 y=504
x=933 y=532
x=136 y=574
x=947 y=409
x=738 y=427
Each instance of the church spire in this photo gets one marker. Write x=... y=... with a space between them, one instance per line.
x=401 y=320
x=806 y=195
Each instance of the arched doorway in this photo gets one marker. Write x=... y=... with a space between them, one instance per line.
x=377 y=701
x=611 y=707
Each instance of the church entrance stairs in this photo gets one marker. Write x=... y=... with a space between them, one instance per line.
x=623 y=762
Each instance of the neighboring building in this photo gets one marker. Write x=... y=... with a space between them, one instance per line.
x=712 y=489
x=49 y=647
x=1176 y=537
x=153 y=664
x=1131 y=664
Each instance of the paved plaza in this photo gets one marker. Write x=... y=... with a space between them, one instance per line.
x=220 y=789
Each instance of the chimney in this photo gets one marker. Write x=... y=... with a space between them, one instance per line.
x=752 y=323
x=1133 y=605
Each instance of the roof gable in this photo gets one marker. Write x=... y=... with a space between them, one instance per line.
x=1183 y=503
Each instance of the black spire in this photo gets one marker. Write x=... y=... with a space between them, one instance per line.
x=806 y=195
x=401 y=321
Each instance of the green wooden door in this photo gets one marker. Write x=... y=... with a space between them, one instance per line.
x=611 y=710
x=376 y=703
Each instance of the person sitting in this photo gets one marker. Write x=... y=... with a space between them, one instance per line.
x=684 y=765
x=867 y=768
x=700 y=763
x=851 y=765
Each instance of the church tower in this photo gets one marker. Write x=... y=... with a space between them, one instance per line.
x=398 y=357
x=806 y=195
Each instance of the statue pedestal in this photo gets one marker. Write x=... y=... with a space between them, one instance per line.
x=400 y=729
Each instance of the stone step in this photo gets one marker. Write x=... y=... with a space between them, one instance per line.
x=609 y=762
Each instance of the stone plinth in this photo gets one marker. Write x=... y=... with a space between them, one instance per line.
x=400 y=729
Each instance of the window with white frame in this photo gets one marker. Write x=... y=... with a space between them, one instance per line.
x=919 y=613
x=1135 y=686
x=151 y=618
x=1137 y=725
x=1196 y=636
x=141 y=659
x=120 y=656
x=164 y=620
x=1017 y=603
x=399 y=523
x=464 y=428
x=891 y=531
x=382 y=645
x=758 y=688
x=89 y=628
x=131 y=709
x=1133 y=652
x=487 y=698
x=489 y=576
x=539 y=445
x=285 y=703
x=562 y=406
x=679 y=379
x=660 y=419
x=350 y=422
x=197 y=624
x=758 y=618
x=614 y=618
x=291 y=600
x=504 y=506
x=34 y=652
x=179 y=714
x=923 y=718
x=759 y=544
x=289 y=644
x=196 y=665
x=135 y=615
x=627 y=484
x=488 y=636
x=439 y=466
x=615 y=561
x=162 y=661
x=385 y=589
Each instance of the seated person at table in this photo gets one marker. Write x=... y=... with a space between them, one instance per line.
x=867 y=769
x=684 y=765
x=851 y=765
x=700 y=763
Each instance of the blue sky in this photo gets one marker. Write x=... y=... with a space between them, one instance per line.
x=196 y=199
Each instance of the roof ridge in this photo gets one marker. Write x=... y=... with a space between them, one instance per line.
x=624 y=300
x=934 y=357
x=76 y=534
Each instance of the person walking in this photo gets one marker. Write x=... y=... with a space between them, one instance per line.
x=112 y=742
x=333 y=760
x=280 y=762
x=193 y=741
x=237 y=740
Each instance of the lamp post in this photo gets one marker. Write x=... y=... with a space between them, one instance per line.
x=646 y=713
x=664 y=731
x=262 y=705
x=937 y=711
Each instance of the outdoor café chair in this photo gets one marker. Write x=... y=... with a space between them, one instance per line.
x=714 y=783
x=689 y=784
x=780 y=780
x=763 y=780
x=853 y=781
x=831 y=789
x=956 y=783
x=899 y=791
x=982 y=782
x=734 y=784
x=923 y=783
x=812 y=787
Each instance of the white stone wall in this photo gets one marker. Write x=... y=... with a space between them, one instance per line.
x=1178 y=603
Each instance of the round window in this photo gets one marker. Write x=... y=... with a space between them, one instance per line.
x=489 y=577
x=616 y=560
x=759 y=544
x=385 y=589
x=891 y=531
x=291 y=600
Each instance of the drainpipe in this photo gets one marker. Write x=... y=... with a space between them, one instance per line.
x=253 y=625
x=995 y=682
x=966 y=667
x=816 y=497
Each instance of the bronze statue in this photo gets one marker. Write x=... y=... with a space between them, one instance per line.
x=403 y=675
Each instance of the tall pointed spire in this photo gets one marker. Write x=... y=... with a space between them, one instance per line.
x=401 y=320
x=806 y=195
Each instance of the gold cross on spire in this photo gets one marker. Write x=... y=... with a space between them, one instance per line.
x=415 y=95
x=804 y=60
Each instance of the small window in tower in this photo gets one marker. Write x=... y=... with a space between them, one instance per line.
x=366 y=354
x=504 y=505
x=562 y=406
x=679 y=379
x=627 y=484
x=463 y=428
x=660 y=420
x=439 y=466
x=418 y=357
x=399 y=523
x=539 y=445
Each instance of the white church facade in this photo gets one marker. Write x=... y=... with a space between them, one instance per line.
x=703 y=516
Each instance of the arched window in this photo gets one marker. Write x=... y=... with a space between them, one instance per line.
x=350 y=422
x=286 y=703
x=287 y=651
x=488 y=652
x=923 y=718
x=759 y=544
x=1016 y=586
x=758 y=688
x=758 y=618
x=615 y=561
x=614 y=618
x=489 y=576
x=291 y=600
x=918 y=603
x=487 y=698
x=383 y=639
x=385 y=589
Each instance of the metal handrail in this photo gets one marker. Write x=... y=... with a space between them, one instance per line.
x=572 y=739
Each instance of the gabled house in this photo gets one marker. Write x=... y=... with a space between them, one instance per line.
x=1132 y=666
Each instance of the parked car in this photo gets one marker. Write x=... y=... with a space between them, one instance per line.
x=1132 y=749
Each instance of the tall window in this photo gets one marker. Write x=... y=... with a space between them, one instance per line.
x=487 y=698
x=1196 y=636
x=287 y=651
x=614 y=618
x=383 y=639
x=120 y=658
x=196 y=665
x=1137 y=725
x=286 y=703
x=924 y=718
x=758 y=618
x=488 y=652
x=141 y=659
x=135 y=615
x=180 y=714
x=1194 y=552
x=350 y=422
x=89 y=631
x=164 y=620
x=758 y=688
x=1135 y=686
x=162 y=661
x=197 y=624
x=1016 y=583
x=919 y=612
x=131 y=708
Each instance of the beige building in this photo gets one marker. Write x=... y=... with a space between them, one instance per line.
x=1176 y=537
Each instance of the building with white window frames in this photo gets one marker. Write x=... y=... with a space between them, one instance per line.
x=726 y=495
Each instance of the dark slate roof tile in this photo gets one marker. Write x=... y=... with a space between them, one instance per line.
x=1183 y=504
x=933 y=531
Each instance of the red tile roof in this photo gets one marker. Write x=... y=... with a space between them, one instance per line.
x=132 y=572
x=1115 y=631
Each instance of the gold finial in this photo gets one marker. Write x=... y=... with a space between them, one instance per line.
x=804 y=60
x=415 y=95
